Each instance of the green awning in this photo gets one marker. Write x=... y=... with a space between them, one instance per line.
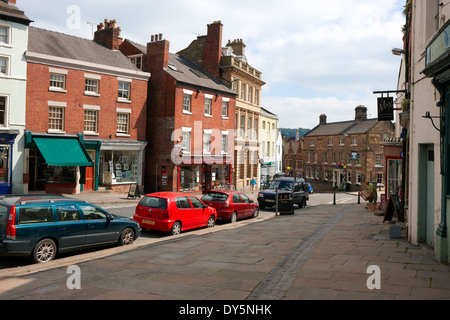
x=63 y=151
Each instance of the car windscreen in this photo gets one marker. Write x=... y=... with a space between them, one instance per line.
x=215 y=196
x=154 y=202
x=282 y=185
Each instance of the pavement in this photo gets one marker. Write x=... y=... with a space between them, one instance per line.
x=323 y=252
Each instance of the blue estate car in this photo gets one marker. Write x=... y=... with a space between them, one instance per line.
x=42 y=226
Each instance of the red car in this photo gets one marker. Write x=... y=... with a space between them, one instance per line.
x=231 y=205
x=173 y=212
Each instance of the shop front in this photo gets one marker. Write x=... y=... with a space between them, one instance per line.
x=56 y=164
x=7 y=141
x=213 y=172
x=120 y=164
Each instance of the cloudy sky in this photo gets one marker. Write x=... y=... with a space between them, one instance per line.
x=316 y=57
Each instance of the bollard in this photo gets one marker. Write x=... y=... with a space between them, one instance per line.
x=334 y=199
x=276 y=201
x=359 y=197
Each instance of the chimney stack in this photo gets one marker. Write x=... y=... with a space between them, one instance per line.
x=238 y=47
x=323 y=119
x=212 y=52
x=108 y=34
x=360 y=113
x=157 y=55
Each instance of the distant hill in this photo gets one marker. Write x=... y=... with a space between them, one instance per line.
x=291 y=133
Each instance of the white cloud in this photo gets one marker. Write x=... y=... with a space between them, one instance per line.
x=316 y=56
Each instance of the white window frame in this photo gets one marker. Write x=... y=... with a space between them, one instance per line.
x=120 y=111
x=58 y=72
x=186 y=140
x=8 y=36
x=57 y=105
x=225 y=108
x=208 y=105
x=92 y=77
x=7 y=65
x=119 y=90
x=134 y=58
x=95 y=109
x=207 y=138
x=6 y=125
x=187 y=108
x=224 y=142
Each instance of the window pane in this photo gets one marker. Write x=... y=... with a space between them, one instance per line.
x=56 y=119
x=58 y=81
x=3 y=65
x=90 y=121
x=123 y=122
x=4 y=35
x=91 y=85
x=2 y=111
x=124 y=90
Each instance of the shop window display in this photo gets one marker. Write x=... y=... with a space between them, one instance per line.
x=119 y=167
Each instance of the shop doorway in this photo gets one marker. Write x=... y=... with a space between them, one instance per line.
x=90 y=173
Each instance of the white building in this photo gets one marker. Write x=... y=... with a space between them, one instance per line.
x=427 y=55
x=268 y=141
x=13 y=75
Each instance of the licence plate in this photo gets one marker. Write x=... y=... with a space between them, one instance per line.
x=151 y=222
x=270 y=200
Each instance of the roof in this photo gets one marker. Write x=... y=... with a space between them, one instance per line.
x=184 y=70
x=190 y=73
x=61 y=45
x=341 y=128
x=10 y=12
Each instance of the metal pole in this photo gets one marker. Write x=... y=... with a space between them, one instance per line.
x=359 y=197
x=276 y=200
x=334 y=199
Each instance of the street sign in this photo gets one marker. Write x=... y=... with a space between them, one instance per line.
x=386 y=109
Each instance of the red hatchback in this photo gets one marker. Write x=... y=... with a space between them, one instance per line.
x=173 y=212
x=231 y=205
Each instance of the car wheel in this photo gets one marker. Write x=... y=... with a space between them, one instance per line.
x=127 y=237
x=302 y=204
x=211 y=222
x=233 y=217
x=44 y=251
x=176 y=229
x=256 y=212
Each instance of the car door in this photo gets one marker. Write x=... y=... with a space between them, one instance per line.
x=238 y=205
x=247 y=207
x=184 y=212
x=100 y=227
x=200 y=214
x=71 y=228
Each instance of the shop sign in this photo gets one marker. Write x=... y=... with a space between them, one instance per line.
x=438 y=46
x=164 y=178
x=386 y=109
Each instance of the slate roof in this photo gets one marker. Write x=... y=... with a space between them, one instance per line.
x=70 y=47
x=188 y=72
x=341 y=128
x=10 y=12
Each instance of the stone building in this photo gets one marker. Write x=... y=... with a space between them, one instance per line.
x=344 y=155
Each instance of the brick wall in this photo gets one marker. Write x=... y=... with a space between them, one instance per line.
x=38 y=96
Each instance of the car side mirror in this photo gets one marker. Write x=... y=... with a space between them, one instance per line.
x=251 y=201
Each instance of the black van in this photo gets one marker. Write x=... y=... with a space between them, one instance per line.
x=290 y=191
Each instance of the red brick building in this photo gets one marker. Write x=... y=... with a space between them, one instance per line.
x=87 y=102
x=344 y=155
x=293 y=158
x=190 y=117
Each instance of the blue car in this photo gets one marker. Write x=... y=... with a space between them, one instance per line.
x=43 y=226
